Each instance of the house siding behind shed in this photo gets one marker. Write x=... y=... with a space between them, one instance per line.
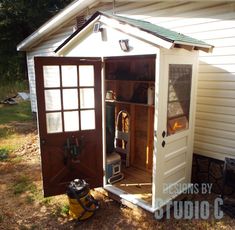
x=214 y=23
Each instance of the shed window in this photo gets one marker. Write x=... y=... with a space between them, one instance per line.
x=179 y=91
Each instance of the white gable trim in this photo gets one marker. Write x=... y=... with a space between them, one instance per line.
x=73 y=40
x=136 y=32
x=124 y=28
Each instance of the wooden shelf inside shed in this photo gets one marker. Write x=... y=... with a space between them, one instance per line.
x=132 y=81
x=129 y=103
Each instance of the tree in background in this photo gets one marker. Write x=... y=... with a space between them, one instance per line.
x=18 y=19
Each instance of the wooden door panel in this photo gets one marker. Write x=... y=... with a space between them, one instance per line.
x=67 y=155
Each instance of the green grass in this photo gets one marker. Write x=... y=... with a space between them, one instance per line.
x=64 y=209
x=10 y=133
x=23 y=184
x=46 y=200
x=1 y=218
x=6 y=132
x=4 y=154
x=10 y=89
x=20 y=112
x=17 y=159
x=37 y=196
x=60 y=209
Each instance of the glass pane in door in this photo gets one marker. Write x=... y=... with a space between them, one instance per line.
x=87 y=119
x=70 y=99
x=69 y=76
x=52 y=99
x=51 y=75
x=54 y=122
x=71 y=121
x=86 y=75
x=87 y=98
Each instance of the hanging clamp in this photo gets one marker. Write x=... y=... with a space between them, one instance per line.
x=72 y=149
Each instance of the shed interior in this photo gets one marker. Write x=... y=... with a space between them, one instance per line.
x=129 y=87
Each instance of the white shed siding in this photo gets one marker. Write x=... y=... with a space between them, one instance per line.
x=213 y=22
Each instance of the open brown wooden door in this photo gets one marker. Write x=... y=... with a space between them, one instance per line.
x=70 y=121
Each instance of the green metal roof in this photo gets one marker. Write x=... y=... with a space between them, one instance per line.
x=158 y=31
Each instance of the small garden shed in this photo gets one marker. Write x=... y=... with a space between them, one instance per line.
x=210 y=21
x=112 y=64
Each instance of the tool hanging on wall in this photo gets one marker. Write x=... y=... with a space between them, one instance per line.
x=72 y=149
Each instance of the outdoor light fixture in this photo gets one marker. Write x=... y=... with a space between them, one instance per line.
x=124 y=44
x=97 y=27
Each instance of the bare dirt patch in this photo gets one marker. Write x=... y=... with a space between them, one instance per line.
x=22 y=205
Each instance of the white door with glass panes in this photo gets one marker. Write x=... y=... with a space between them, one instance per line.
x=174 y=127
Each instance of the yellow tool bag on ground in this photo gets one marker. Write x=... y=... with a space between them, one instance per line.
x=82 y=204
